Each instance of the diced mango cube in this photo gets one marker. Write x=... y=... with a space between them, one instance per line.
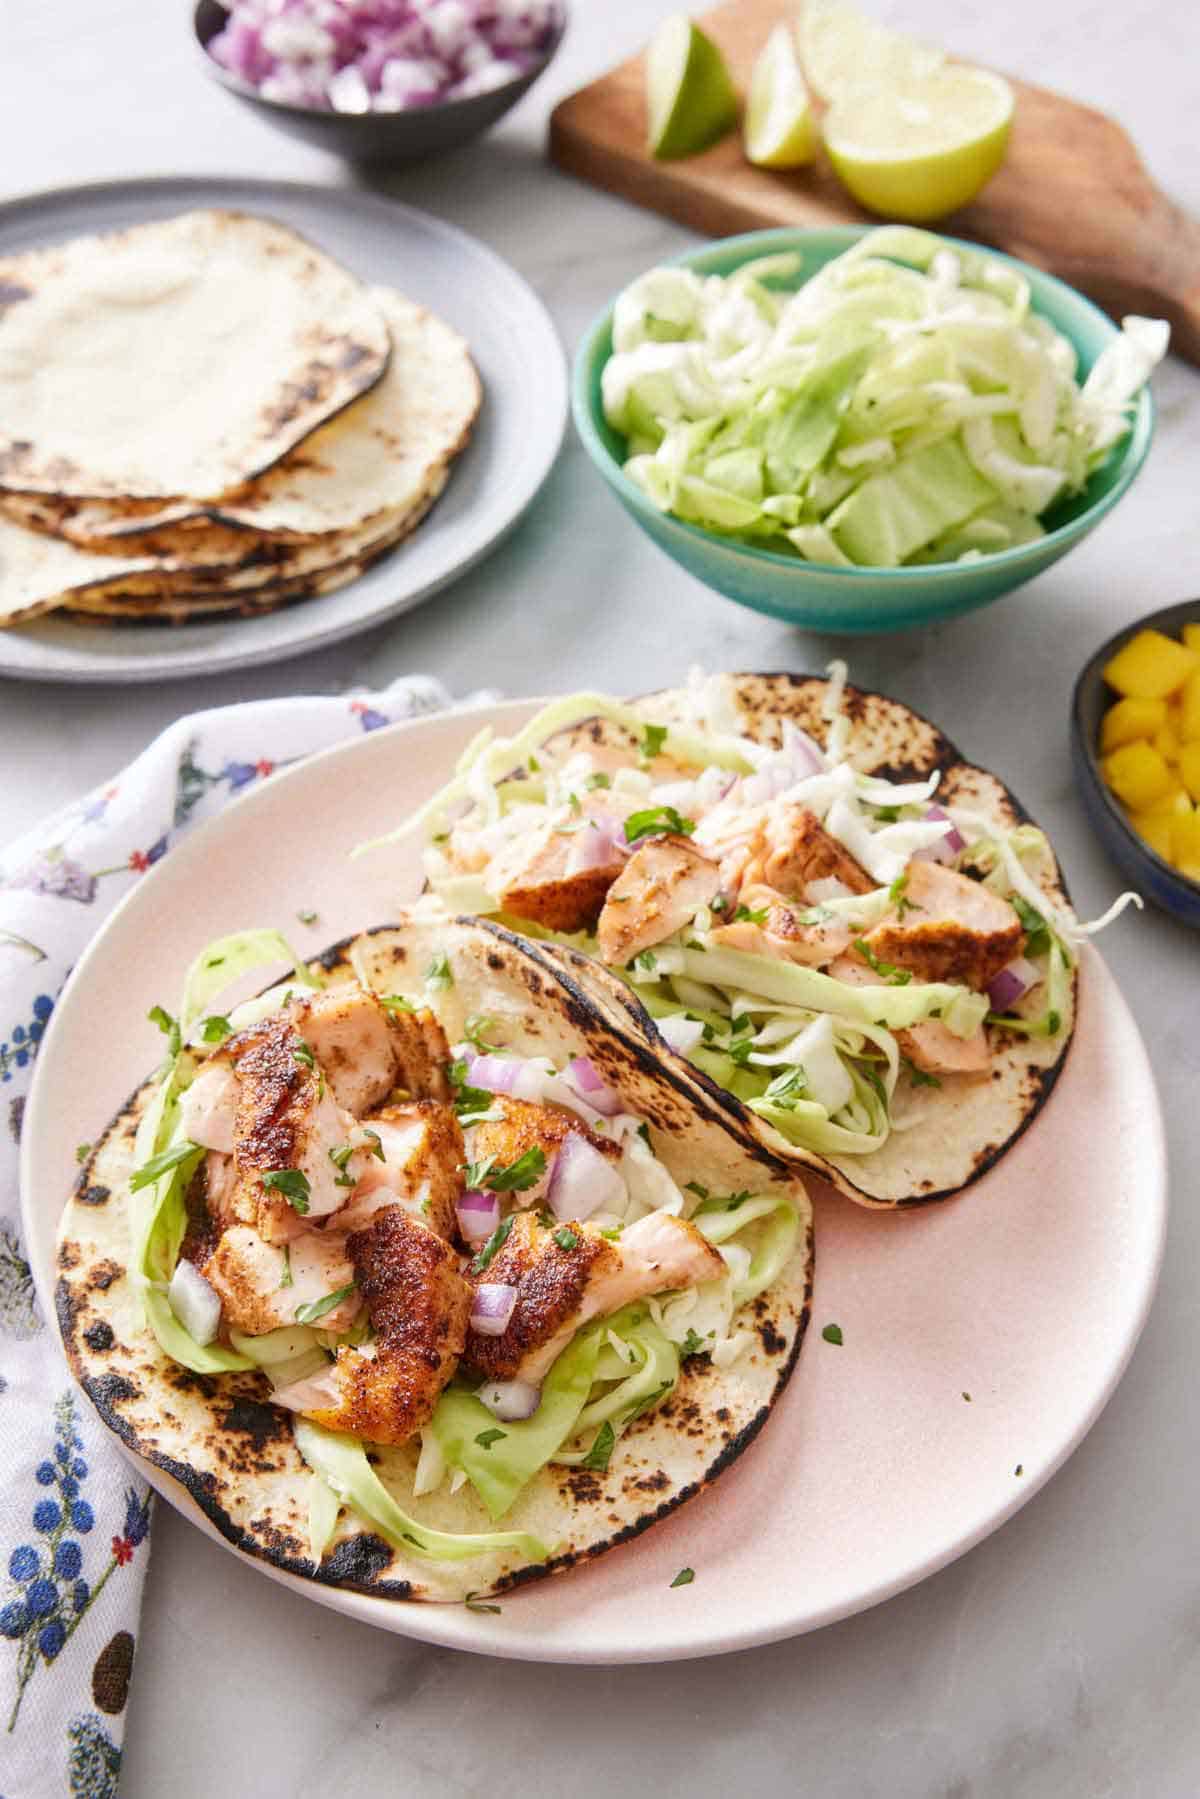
x=1128 y=720
x=1189 y=708
x=1191 y=637
x=1166 y=742
x=1137 y=775
x=1185 y=845
x=1150 y=666
x=1189 y=769
x=1154 y=828
x=1168 y=804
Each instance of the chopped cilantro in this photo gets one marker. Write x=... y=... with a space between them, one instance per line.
x=718 y=903
x=918 y=1076
x=476 y=1031
x=472 y=1601
x=373 y=1141
x=738 y=1049
x=469 y=1102
x=307 y=916
x=438 y=973
x=646 y=963
x=339 y=1155
x=493 y=1246
x=303 y=1054
x=643 y=1132
x=1053 y=1023
x=285 y=1275
x=748 y=915
x=159 y=1164
x=651 y=742
x=517 y=1177
x=614 y=1233
x=293 y=1184
x=216 y=1028
x=486 y=1438
x=786 y=1088
x=832 y=1333
x=598 y=1455
x=886 y=815
x=684 y=1578
x=656 y=819
x=82 y=1151
x=895 y=977
x=396 y=1002
x=566 y=1238
x=599 y=779
x=697 y=1189
x=692 y=1345
x=1037 y=931
x=534 y=766
x=898 y=894
x=317 y=1308
x=169 y=1027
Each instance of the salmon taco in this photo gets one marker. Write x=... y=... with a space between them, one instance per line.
x=799 y=894
x=420 y=1274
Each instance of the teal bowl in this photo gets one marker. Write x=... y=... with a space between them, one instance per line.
x=860 y=600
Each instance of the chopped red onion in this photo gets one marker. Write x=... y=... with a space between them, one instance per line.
x=492 y=1307
x=683 y=1034
x=382 y=55
x=494 y=1074
x=592 y=1087
x=598 y=843
x=196 y=1305
x=1012 y=983
x=478 y=1215
x=582 y=1181
x=510 y=1400
x=947 y=847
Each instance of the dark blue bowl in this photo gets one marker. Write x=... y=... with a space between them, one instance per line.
x=1155 y=879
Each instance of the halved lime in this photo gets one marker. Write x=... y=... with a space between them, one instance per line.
x=781 y=132
x=841 y=48
x=920 y=148
x=689 y=96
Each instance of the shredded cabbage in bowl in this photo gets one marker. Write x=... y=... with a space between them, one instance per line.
x=904 y=405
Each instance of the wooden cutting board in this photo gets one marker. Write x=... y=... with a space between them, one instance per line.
x=1073 y=196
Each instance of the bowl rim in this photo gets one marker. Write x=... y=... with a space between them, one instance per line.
x=1092 y=668
x=246 y=90
x=1132 y=449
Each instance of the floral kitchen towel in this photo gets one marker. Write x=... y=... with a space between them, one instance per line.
x=74 y=1519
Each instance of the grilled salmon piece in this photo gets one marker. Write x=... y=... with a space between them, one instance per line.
x=559 y=1288
x=928 y=1045
x=523 y=1125
x=663 y=885
x=419 y=1167
x=262 y=1285
x=948 y=928
x=419 y=1304
x=286 y=1118
x=781 y=933
x=348 y=1032
x=792 y=848
x=422 y=1054
x=545 y=878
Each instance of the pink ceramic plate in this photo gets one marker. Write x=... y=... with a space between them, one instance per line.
x=1028 y=1293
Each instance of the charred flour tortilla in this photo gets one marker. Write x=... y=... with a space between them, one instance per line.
x=244 y=337
x=949 y=1134
x=235 y=1453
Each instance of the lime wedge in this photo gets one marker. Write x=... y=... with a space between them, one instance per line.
x=923 y=147
x=689 y=96
x=841 y=48
x=780 y=130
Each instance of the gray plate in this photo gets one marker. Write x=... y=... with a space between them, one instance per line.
x=516 y=438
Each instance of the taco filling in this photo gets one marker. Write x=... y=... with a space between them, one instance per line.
x=430 y=1235
x=816 y=923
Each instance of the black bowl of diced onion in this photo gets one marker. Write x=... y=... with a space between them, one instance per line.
x=385 y=81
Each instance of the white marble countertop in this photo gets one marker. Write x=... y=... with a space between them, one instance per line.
x=1062 y=1656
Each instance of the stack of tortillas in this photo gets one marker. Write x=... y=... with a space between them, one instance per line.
x=208 y=414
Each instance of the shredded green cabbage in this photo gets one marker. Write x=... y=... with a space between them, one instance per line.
x=341 y=1462
x=904 y=404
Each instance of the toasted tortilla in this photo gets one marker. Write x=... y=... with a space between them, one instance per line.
x=175 y=358
x=234 y=1453
x=965 y=1126
x=372 y=462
